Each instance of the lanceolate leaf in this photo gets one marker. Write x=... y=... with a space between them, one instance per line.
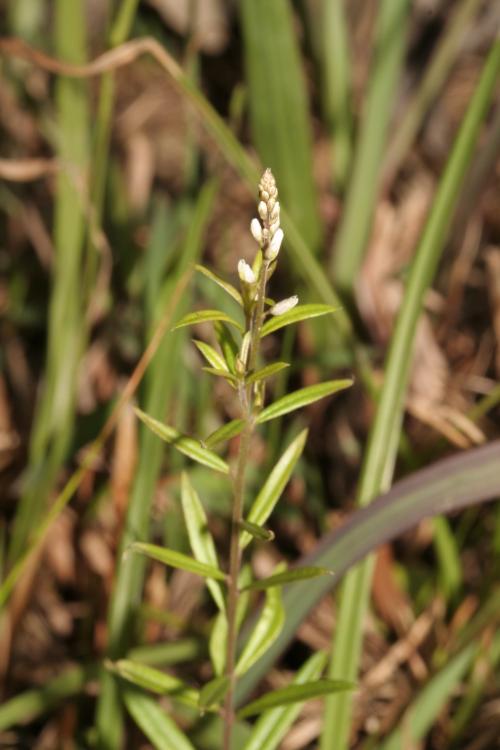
x=258 y=532
x=266 y=372
x=275 y=484
x=303 y=397
x=152 y=679
x=177 y=560
x=231 y=379
x=266 y=631
x=158 y=727
x=229 y=288
x=296 y=574
x=272 y=726
x=200 y=537
x=205 y=316
x=294 y=694
x=213 y=692
x=213 y=357
x=218 y=636
x=298 y=313
x=186 y=445
x=227 y=431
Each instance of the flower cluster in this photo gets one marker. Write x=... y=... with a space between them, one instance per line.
x=266 y=230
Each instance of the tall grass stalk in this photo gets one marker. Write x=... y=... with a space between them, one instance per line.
x=379 y=460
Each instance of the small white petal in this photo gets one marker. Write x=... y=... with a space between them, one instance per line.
x=245 y=273
x=284 y=306
x=274 y=246
x=256 y=230
x=262 y=209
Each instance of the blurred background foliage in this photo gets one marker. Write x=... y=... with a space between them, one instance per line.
x=112 y=186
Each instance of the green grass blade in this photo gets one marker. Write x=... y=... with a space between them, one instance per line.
x=288 y=576
x=159 y=728
x=274 y=723
x=301 y=398
x=212 y=356
x=279 y=111
x=177 y=560
x=274 y=485
x=226 y=432
x=382 y=447
x=266 y=372
x=200 y=537
x=149 y=678
x=204 y=316
x=218 y=644
x=267 y=629
x=229 y=288
x=294 y=694
x=190 y=447
x=301 y=312
x=361 y=196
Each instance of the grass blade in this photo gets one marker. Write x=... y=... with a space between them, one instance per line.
x=204 y=316
x=266 y=372
x=301 y=312
x=212 y=356
x=159 y=728
x=229 y=288
x=145 y=676
x=300 y=398
x=276 y=482
x=190 y=447
x=200 y=537
x=294 y=694
x=267 y=629
x=288 y=576
x=177 y=560
x=226 y=432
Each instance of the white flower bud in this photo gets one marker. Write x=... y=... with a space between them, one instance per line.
x=275 y=213
x=245 y=273
x=284 y=306
x=262 y=209
x=274 y=226
x=274 y=246
x=256 y=230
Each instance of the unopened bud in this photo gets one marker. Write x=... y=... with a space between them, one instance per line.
x=256 y=230
x=274 y=246
x=275 y=212
x=280 y=308
x=274 y=226
x=262 y=209
x=245 y=273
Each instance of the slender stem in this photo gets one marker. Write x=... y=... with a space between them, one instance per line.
x=255 y=326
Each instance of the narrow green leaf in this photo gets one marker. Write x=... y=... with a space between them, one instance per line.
x=231 y=379
x=158 y=727
x=213 y=692
x=227 y=431
x=302 y=397
x=296 y=574
x=205 y=316
x=276 y=482
x=266 y=372
x=218 y=643
x=200 y=537
x=227 y=343
x=190 y=447
x=258 y=532
x=293 y=693
x=229 y=288
x=272 y=726
x=177 y=560
x=296 y=314
x=152 y=679
x=266 y=631
x=213 y=357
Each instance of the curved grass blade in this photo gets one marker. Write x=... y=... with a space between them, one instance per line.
x=293 y=694
x=144 y=676
x=212 y=356
x=206 y=316
x=288 y=576
x=154 y=722
x=213 y=692
x=226 y=432
x=452 y=484
x=177 y=560
x=298 y=313
x=258 y=532
x=266 y=631
x=229 y=288
x=266 y=372
x=302 y=397
x=190 y=447
x=200 y=538
x=276 y=482
x=272 y=726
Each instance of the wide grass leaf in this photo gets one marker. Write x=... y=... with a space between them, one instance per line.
x=227 y=431
x=158 y=727
x=298 y=313
x=266 y=372
x=206 y=316
x=296 y=574
x=200 y=538
x=276 y=482
x=302 y=397
x=266 y=631
x=190 y=447
x=294 y=694
x=272 y=726
x=177 y=560
x=229 y=288
x=152 y=679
